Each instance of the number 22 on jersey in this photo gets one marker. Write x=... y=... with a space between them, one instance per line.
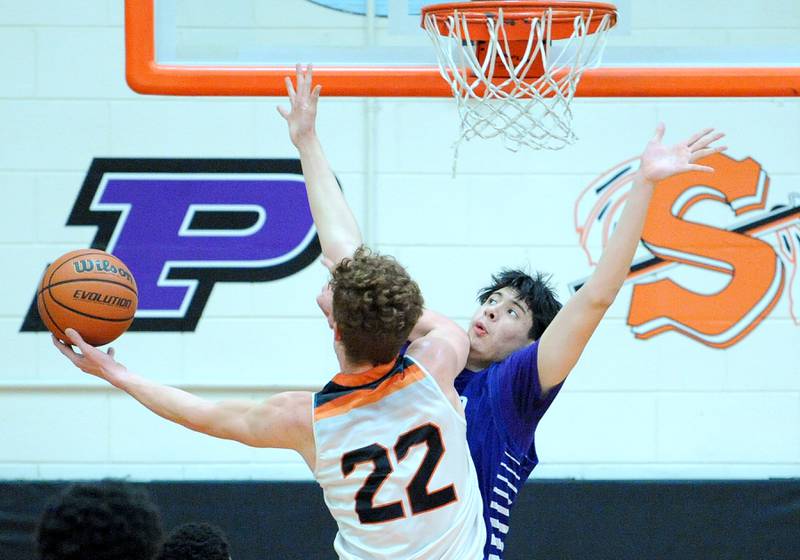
x=419 y=498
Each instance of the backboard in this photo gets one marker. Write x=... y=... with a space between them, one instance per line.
x=660 y=48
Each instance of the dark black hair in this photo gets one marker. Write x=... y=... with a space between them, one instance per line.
x=195 y=541
x=108 y=520
x=535 y=291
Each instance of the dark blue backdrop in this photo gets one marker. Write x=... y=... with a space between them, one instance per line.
x=598 y=520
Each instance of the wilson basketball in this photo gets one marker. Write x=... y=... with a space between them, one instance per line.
x=90 y=291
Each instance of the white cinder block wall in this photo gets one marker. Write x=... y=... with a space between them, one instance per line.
x=665 y=407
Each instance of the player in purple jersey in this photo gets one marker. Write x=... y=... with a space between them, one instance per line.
x=523 y=344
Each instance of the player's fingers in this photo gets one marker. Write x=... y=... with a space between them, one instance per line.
x=702 y=168
x=695 y=137
x=301 y=77
x=706 y=140
x=58 y=344
x=289 y=88
x=316 y=92
x=61 y=344
x=699 y=154
x=73 y=335
x=67 y=351
x=112 y=352
x=659 y=132
x=283 y=112
x=78 y=341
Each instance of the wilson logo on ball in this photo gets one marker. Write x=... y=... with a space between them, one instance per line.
x=104 y=265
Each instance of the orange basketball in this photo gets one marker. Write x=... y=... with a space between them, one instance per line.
x=90 y=291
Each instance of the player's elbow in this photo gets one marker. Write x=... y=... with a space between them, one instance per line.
x=599 y=298
x=603 y=301
x=201 y=418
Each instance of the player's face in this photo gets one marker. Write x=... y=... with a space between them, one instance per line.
x=498 y=328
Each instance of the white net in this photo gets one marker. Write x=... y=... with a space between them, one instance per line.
x=494 y=93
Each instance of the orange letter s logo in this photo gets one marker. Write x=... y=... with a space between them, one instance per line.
x=756 y=273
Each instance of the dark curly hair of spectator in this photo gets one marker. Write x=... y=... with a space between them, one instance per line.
x=195 y=541
x=375 y=306
x=106 y=520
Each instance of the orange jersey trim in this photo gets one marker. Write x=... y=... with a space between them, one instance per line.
x=363 y=397
x=364 y=378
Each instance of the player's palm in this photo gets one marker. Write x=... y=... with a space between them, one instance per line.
x=659 y=162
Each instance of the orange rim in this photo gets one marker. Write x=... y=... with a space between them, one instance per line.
x=563 y=16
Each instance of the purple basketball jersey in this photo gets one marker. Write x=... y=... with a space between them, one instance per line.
x=503 y=404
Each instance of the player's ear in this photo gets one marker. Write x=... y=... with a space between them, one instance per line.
x=337 y=336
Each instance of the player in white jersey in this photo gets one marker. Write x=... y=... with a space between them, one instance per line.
x=410 y=479
x=386 y=438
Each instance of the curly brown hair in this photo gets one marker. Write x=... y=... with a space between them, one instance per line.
x=375 y=306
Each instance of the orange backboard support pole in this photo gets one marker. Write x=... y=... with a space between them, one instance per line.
x=145 y=75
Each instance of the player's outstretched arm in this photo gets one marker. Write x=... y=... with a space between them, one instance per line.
x=338 y=230
x=283 y=420
x=565 y=338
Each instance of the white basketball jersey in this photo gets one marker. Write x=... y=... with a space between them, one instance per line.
x=395 y=469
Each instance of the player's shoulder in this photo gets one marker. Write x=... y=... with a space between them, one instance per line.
x=282 y=420
x=293 y=407
x=437 y=356
x=522 y=357
x=294 y=399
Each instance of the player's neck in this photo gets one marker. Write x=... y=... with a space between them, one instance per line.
x=354 y=368
x=348 y=366
x=474 y=363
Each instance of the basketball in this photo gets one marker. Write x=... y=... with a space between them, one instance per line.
x=90 y=291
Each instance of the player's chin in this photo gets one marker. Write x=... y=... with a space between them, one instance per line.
x=477 y=344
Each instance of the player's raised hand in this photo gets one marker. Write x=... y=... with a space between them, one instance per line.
x=302 y=114
x=91 y=360
x=659 y=161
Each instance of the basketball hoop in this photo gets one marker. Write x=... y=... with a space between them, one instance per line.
x=506 y=73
